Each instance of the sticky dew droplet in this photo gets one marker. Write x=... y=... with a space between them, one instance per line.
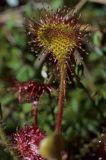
x=99 y=141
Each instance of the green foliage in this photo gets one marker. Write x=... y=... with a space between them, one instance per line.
x=56 y=4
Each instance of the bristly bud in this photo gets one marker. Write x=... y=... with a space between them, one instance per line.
x=56 y=34
x=27 y=142
x=30 y=91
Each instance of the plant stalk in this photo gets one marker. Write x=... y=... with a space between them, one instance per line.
x=62 y=89
x=35 y=112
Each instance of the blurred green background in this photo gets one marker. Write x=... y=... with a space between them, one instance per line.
x=83 y=120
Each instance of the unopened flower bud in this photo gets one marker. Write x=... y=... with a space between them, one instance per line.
x=51 y=147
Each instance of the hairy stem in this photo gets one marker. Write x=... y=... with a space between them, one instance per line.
x=61 y=98
x=7 y=143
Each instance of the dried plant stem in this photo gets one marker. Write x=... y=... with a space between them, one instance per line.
x=7 y=143
x=77 y=8
x=99 y=1
x=62 y=89
x=87 y=75
x=79 y=5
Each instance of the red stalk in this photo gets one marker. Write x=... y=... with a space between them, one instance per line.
x=62 y=89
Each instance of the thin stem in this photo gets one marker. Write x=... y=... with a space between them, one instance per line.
x=7 y=143
x=77 y=9
x=87 y=75
x=35 y=112
x=62 y=89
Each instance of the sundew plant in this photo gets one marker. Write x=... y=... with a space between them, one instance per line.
x=58 y=41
